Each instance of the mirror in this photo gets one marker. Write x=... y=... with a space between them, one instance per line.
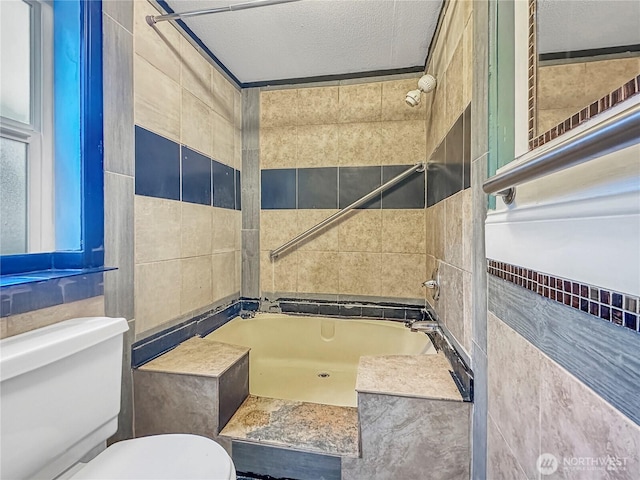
x=584 y=58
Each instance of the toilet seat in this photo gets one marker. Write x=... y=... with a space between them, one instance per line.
x=161 y=457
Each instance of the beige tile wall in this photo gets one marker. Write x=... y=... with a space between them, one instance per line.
x=24 y=322
x=566 y=89
x=379 y=253
x=186 y=255
x=371 y=252
x=448 y=223
x=536 y=406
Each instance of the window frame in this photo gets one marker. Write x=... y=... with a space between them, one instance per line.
x=91 y=252
x=37 y=135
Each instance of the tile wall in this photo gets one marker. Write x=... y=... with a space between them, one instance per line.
x=321 y=148
x=448 y=216
x=187 y=182
x=119 y=172
x=536 y=406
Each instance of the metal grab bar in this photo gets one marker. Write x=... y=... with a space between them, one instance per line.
x=615 y=133
x=418 y=167
x=153 y=19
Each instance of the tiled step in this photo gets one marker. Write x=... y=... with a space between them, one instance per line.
x=307 y=427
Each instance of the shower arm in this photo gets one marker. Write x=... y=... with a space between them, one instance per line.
x=153 y=19
x=418 y=167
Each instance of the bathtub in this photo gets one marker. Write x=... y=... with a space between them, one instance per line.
x=315 y=359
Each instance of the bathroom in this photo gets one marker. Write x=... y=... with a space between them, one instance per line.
x=208 y=158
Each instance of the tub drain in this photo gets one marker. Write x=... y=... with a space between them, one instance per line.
x=323 y=375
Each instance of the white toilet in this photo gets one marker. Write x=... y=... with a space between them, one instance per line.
x=60 y=398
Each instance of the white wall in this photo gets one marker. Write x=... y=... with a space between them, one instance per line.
x=582 y=223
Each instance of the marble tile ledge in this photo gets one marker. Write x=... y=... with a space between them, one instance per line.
x=308 y=427
x=198 y=356
x=416 y=376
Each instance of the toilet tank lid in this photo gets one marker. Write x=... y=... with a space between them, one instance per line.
x=31 y=350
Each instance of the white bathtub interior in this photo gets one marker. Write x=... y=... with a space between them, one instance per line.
x=315 y=359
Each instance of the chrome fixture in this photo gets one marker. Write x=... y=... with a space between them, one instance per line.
x=424 y=326
x=611 y=135
x=153 y=19
x=434 y=284
x=418 y=167
x=426 y=84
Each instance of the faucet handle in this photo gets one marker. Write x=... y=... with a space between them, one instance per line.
x=434 y=284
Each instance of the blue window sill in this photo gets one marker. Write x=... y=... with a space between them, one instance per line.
x=44 y=275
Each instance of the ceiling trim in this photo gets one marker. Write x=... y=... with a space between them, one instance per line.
x=290 y=81
x=592 y=52
x=334 y=78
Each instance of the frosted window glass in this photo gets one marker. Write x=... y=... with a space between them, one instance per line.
x=13 y=197
x=15 y=60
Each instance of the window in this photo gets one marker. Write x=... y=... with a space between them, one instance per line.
x=26 y=126
x=51 y=186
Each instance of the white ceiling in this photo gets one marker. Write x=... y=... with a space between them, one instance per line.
x=314 y=38
x=571 y=25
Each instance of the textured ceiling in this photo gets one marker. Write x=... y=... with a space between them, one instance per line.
x=571 y=25
x=314 y=38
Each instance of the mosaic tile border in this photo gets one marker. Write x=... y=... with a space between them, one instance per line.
x=620 y=94
x=532 y=82
x=615 y=307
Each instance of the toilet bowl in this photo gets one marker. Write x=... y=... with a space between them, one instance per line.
x=60 y=396
x=160 y=457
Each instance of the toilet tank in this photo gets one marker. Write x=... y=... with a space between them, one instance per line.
x=60 y=394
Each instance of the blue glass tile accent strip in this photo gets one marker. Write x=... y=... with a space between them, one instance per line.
x=157 y=165
x=196 y=177
x=250 y=304
x=164 y=169
x=278 y=189
x=35 y=293
x=388 y=311
x=224 y=195
x=338 y=187
x=449 y=168
x=211 y=322
x=409 y=193
x=155 y=345
x=268 y=462
x=454 y=155
x=318 y=188
x=356 y=182
x=614 y=307
x=142 y=353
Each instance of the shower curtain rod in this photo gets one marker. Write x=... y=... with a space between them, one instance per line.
x=153 y=19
